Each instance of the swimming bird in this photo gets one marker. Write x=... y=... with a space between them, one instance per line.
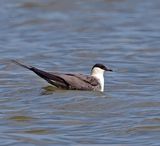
x=70 y=81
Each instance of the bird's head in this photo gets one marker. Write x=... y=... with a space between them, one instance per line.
x=99 y=69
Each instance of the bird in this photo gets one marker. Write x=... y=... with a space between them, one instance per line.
x=72 y=81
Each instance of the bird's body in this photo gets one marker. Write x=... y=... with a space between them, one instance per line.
x=71 y=81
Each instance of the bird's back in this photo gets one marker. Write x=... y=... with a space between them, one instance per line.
x=79 y=81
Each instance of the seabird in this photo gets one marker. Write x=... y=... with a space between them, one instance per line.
x=70 y=81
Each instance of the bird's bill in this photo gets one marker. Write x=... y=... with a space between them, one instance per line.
x=107 y=69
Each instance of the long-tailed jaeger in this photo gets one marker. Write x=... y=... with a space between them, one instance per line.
x=70 y=81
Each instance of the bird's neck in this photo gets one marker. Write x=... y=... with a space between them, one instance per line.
x=100 y=78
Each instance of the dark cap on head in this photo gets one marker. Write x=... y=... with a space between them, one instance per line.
x=101 y=66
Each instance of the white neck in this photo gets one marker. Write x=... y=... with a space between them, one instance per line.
x=98 y=73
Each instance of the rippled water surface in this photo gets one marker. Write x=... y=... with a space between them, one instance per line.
x=72 y=36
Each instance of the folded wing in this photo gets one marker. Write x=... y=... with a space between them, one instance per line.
x=69 y=81
x=80 y=81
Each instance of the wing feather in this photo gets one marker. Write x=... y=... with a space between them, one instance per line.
x=80 y=82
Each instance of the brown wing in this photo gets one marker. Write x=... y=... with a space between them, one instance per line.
x=68 y=81
x=86 y=78
x=80 y=82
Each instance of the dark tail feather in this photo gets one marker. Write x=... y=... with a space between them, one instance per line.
x=21 y=64
x=50 y=78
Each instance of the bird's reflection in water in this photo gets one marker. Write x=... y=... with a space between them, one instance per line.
x=50 y=90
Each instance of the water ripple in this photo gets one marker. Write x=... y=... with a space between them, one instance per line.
x=71 y=36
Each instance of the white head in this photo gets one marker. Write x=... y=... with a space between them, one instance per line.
x=98 y=72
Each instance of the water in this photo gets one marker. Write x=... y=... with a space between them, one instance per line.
x=73 y=36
